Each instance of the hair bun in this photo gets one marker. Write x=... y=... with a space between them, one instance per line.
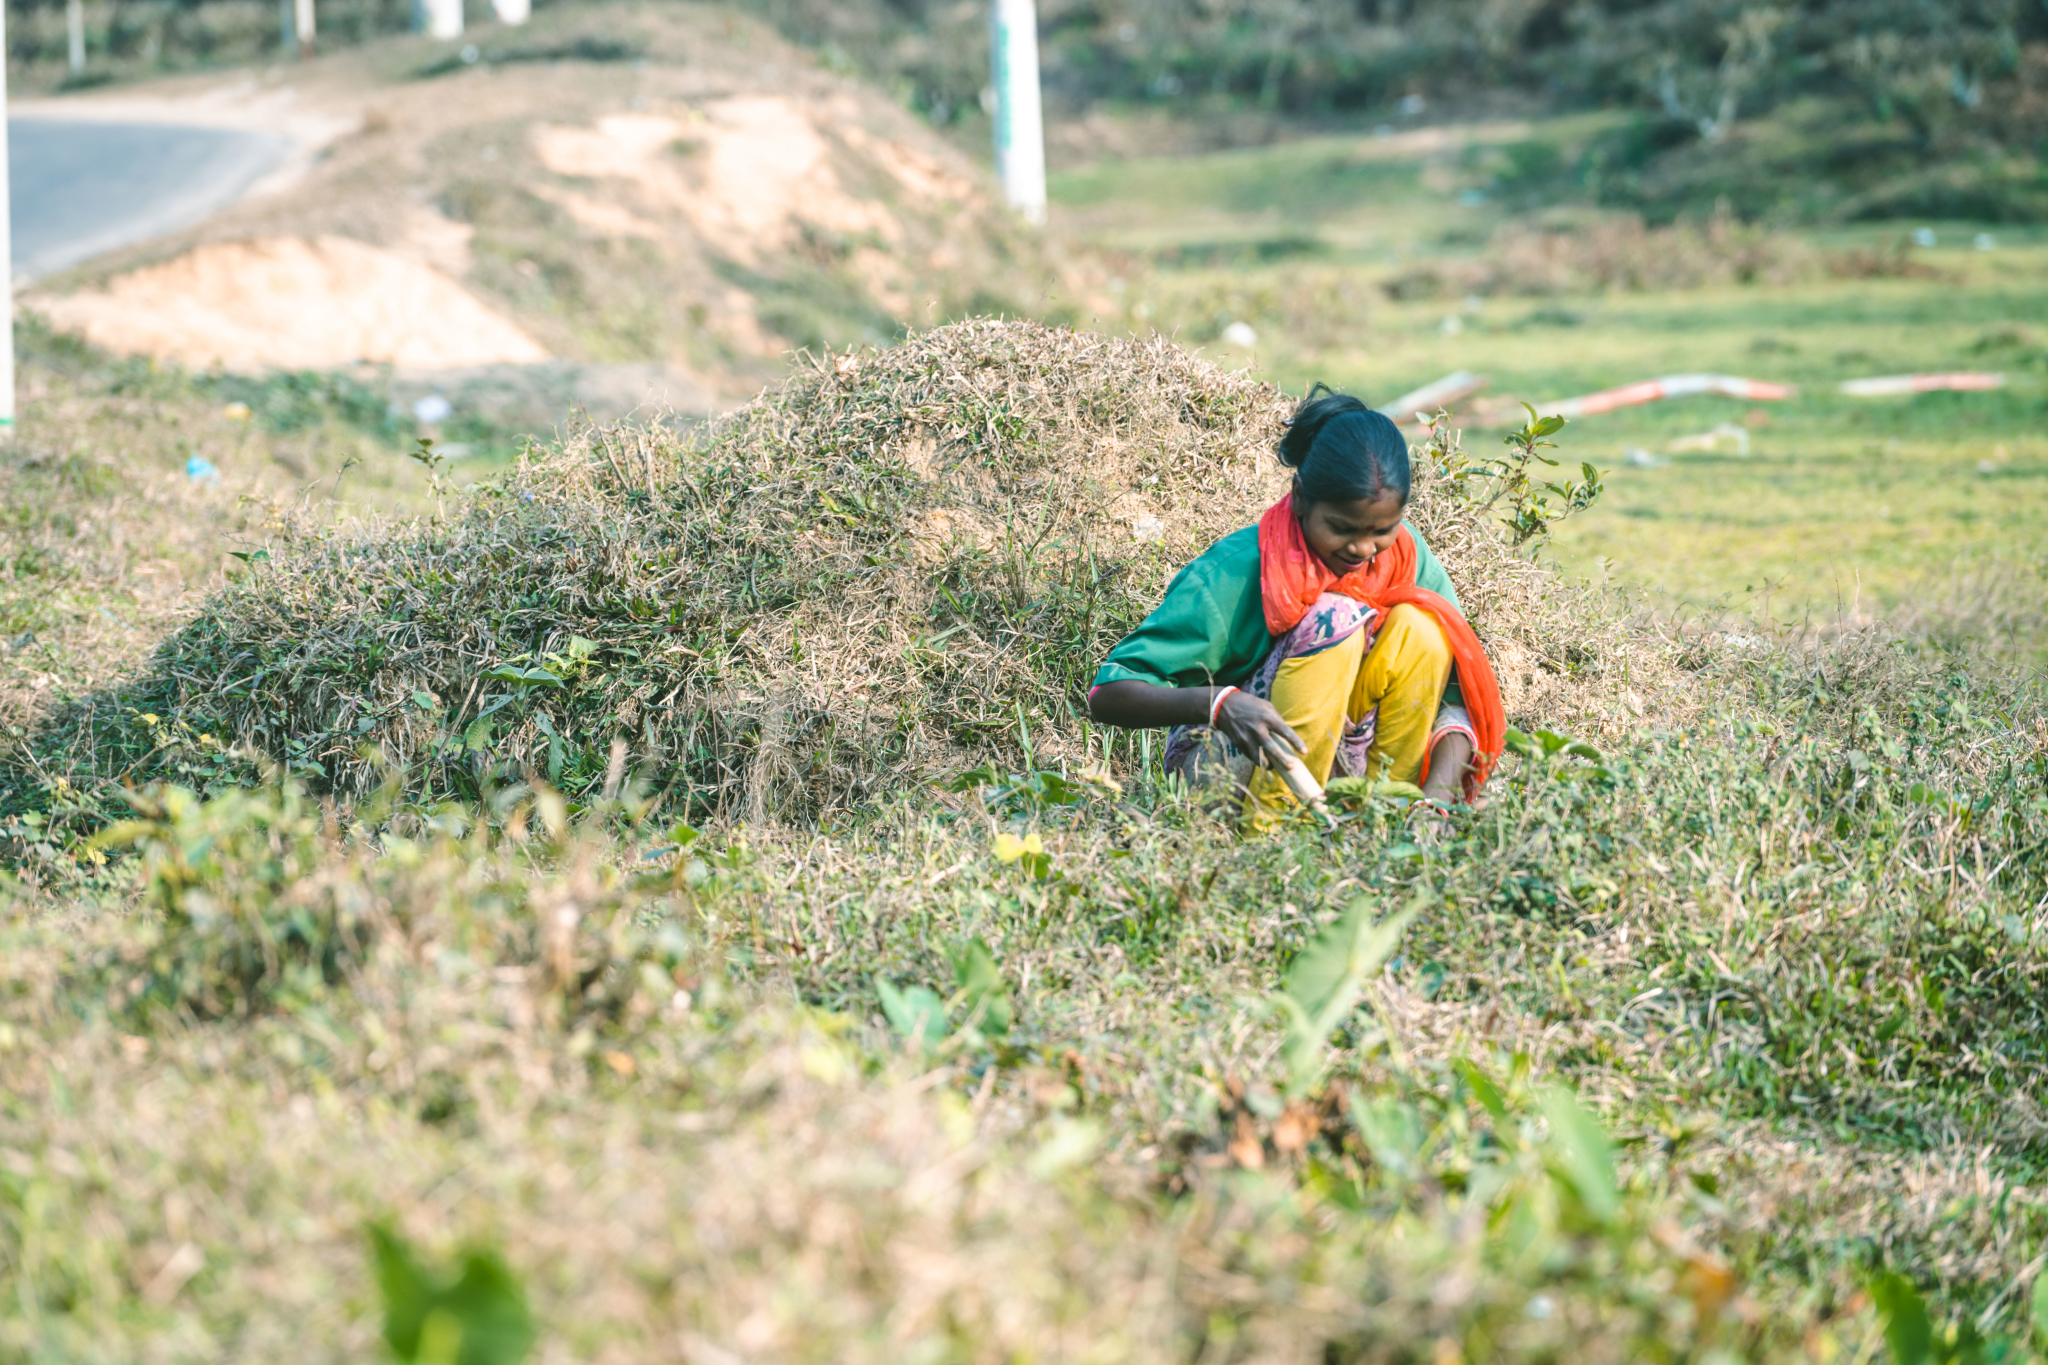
x=1317 y=407
x=1340 y=449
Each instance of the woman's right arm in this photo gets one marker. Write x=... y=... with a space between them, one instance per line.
x=1248 y=721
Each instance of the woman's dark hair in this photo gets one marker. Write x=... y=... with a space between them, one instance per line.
x=1342 y=451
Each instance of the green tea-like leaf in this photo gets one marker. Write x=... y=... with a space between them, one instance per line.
x=1582 y=1149
x=1907 y=1328
x=1393 y=1133
x=983 y=993
x=1319 y=972
x=1518 y=742
x=984 y=776
x=1551 y=740
x=1483 y=1088
x=523 y=677
x=406 y=1290
x=1356 y=791
x=1055 y=790
x=915 y=1013
x=1325 y=979
x=488 y=1303
x=476 y=1317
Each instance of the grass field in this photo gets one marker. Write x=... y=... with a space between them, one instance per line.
x=668 y=884
x=1841 y=508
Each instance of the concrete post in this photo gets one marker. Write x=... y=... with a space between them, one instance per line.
x=302 y=21
x=512 y=11
x=74 y=24
x=438 y=18
x=7 y=240
x=1020 y=122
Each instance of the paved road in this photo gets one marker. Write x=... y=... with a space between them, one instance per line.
x=80 y=188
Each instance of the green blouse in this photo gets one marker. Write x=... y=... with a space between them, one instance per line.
x=1211 y=629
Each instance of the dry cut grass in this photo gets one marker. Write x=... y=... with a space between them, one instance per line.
x=866 y=578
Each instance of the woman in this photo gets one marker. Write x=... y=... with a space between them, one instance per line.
x=1329 y=628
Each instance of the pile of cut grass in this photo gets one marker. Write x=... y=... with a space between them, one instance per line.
x=108 y=543
x=897 y=566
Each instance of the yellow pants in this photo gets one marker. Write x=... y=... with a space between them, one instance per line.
x=1317 y=695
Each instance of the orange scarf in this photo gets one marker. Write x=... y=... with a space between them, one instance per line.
x=1291 y=578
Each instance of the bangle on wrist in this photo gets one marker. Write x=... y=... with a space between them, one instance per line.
x=1216 y=703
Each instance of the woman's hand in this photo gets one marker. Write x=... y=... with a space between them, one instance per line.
x=1247 y=721
x=1251 y=723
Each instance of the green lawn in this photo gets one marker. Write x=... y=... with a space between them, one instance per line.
x=1839 y=504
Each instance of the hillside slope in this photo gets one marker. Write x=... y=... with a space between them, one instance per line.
x=675 y=187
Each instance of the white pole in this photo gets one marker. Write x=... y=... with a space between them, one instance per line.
x=438 y=18
x=512 y=11
x=1020 y=122
x=302 y=15
x=74 y=23
x=7 y=252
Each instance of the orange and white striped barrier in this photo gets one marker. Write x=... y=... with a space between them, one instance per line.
x=1416 y=407
x=1670 y=386
x=1889 y=385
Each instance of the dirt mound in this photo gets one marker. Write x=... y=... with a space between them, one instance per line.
x=898 y=565
x=293 y=304
x=608 y=185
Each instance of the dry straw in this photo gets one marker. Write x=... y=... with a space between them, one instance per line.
x=897 y=565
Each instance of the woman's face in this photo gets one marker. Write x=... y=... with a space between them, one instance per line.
x=1346 y=535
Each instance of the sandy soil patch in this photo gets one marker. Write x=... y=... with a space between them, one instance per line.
x=292 y=303
x=747 y=173
x=709 y=206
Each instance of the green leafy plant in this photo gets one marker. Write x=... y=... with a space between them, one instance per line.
x=1551 y=751
x=1356 y=792
x=979 y=1010
x=915 y=1012
x=1533 y=505
x=471 y=1313
x=1582 y=1153
x=1325 y=981
x=1027 y=792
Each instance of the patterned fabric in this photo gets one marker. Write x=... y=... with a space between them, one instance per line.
x=1333 y=620
x=1294 y=582
x=1210 y=630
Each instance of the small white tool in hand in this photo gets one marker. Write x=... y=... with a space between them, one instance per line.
x=1298 y=778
